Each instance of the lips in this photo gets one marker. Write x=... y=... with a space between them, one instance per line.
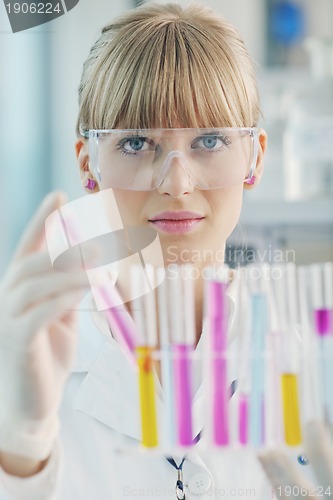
x=176 y=222
x=176 y=216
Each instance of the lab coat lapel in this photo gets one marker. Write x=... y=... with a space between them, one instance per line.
x=109 y=392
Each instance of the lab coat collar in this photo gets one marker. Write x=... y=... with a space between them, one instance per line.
x=109 y=375
x=109 y=391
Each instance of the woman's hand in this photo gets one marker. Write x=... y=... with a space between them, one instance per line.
x=37 y=340
x=286 y=477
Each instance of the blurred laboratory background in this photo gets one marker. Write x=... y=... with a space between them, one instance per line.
x=288 y=216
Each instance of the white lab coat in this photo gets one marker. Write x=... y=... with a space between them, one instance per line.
x=95 y=458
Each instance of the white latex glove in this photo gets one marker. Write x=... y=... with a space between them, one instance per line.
x=288 y=479
x=37 y=340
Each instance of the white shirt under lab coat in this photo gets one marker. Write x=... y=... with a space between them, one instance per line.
x=94 y=458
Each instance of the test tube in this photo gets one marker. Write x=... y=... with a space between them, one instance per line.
x=310 y=386
x=167 y=376
x=183 y=343
x=244 y=384
x=286 y=296
x=259 y=330
x=120 y=321
x=322 y=311
x=273 y=407
x=145 y=320
x=215 y=305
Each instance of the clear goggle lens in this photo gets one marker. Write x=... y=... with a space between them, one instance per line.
x=139 y=160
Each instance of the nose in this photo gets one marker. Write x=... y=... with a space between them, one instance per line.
x=176 y=180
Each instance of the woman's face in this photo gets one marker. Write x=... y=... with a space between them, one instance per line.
x=192 y=224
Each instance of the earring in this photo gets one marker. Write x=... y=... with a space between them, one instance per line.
x=90 y=184
x=251 y=181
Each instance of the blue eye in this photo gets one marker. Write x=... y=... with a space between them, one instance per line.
x=209 y=142
x=135 y=144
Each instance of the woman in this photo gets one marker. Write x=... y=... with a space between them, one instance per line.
x=168 y=71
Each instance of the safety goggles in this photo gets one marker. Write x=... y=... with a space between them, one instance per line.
x=140 y=159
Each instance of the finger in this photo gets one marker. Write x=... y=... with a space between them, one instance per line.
x=287 y=481
x=40 y=263
x=44 y=287
x=64 y=332
x=33 y=236
x=319 y=450
x=47 y=312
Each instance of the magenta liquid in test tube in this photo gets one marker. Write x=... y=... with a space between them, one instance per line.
x=323 y=321
x=181 y=307
x=124 y=327
x=182 y=363
x=243 y=419
x=217 y=324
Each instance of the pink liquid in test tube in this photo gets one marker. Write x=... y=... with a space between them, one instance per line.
x=243 y=419
x=218 y=332
x=183 y=397
x=323 y=318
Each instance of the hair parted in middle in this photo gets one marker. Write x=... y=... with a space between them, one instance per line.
x=162 y=66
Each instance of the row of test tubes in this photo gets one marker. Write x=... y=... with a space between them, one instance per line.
x=282 y=354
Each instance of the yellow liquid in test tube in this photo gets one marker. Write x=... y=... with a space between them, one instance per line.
x=291 y=415
x=147 y=397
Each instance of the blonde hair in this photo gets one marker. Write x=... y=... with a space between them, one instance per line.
x=161 y=66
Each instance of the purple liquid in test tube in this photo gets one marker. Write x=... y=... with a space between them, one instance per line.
x=323 y=320
x=182 y=362
x=218 y=332
x=243 y=419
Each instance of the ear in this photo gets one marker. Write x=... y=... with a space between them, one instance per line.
x=82 y=155
x=260 y=161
